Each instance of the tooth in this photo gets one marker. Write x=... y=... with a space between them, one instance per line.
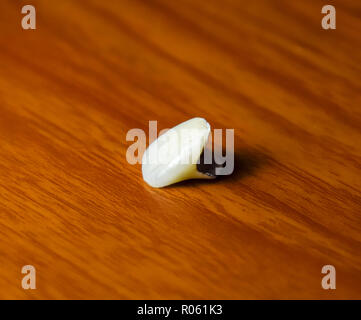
x=174 y=155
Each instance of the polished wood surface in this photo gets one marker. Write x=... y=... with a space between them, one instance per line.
x=72 y=206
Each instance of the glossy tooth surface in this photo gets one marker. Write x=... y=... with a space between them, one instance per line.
x=173 y=156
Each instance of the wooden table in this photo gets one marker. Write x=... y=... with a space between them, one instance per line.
x=71 y=205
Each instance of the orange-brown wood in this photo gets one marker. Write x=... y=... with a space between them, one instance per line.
x=71 y=205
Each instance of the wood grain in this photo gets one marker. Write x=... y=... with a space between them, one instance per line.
x=73 y=207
